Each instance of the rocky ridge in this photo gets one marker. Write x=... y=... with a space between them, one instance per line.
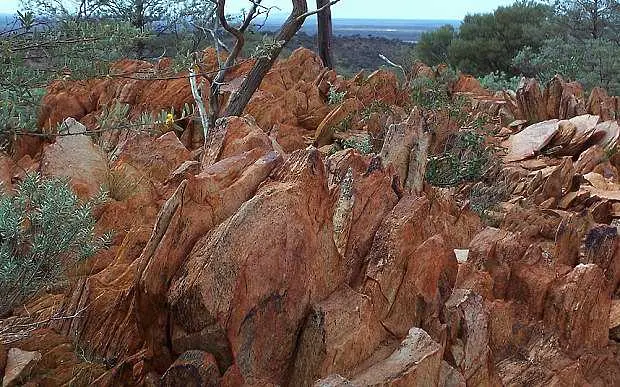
x=273 y=258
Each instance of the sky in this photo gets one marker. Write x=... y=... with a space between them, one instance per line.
x=368 y=9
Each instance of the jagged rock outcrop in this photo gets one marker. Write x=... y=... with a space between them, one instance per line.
x=264 y=260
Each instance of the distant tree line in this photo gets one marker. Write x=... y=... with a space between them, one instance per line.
x=579 y=39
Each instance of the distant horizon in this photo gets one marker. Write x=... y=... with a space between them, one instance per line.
x=363 y=9
x=281 y=17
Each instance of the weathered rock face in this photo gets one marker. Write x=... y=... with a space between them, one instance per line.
x=577 y=308
x=253 y=285
x=3 y=356
x=18 y=365
x=46 y=358
x=192 y=368
x=339 y=333
x=77 y=158
x=366 y=192
x=468 y=338
x=416 y=362
x=261 y=261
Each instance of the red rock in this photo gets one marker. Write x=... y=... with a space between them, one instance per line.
x=577 y=309
x=234 y=136
x=254 y=287
x=607 y=134
x=468 y=337
x=326 y=129
x=3 y=357
x=530 y=102
x=601 y=247
x=291 y=138
x=77 y=158
x=18 y=365
x=589 y=159
x=404 y=146
x=449 y=377
x=416 y=362
x=426 y=285
x=530 y=140
x=469 y=84
x=156 y=158
x=192 y=368
x=339 y=333
x=7 y=166
x=601 y=104
x=365 y=196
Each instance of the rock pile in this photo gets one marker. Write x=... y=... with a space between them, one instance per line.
x=273 y=258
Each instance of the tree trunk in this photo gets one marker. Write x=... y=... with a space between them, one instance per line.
x=324 y=35
x=251 y=83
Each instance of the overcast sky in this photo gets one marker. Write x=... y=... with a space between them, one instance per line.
x=369 y=9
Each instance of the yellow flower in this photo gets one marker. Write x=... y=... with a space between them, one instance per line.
x=169 y=120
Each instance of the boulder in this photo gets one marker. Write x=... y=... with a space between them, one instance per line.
x=416 y=362
x=339 y=334
x=151 y=159
x=530 y=101
x=18 y=365
x=406 y=147
x=427 y=283
x=530 y=140
x=76 y=157
x=601 y=104
x=233 y=136
x=253 y=277
x=365 y=195
x=192 y=368
x=577 y=310
x=468 y=338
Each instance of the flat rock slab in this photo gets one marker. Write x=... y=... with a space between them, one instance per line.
x=18 y=363
x=530 y=140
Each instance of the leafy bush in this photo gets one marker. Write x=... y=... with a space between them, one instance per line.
x=433 y=46
x=592 y=62
x=466 y=158
x=44 y=228
x=33 y=55
x=488 y=42
x=498 y=81
x=335 y=97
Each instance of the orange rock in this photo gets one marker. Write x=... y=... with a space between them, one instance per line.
x=255 y=289
x=339 y=116
x=77 y=158
x=192 y=368
x=339 y=333
x=416 y=362
x=577 y=309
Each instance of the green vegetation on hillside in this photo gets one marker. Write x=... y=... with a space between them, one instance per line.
x=577 y=39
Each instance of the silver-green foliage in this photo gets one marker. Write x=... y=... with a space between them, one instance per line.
x=592 y=62
x=499 y=80
x=44 y=229
x=38 y=52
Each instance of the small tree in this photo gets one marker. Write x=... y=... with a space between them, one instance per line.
x=592 y=19
x=263 y=62
x=433 y=46
x=44 y=228
x=487 y=42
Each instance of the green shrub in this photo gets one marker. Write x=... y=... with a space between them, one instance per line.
x=466 y=158
x=592 y=62
x=44 y=229
x=498 y=81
